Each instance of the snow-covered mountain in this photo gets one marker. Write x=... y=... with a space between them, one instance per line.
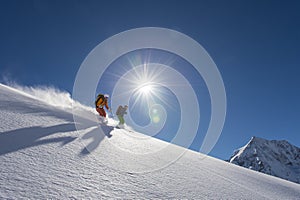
x=44 y=156
x=277 y=158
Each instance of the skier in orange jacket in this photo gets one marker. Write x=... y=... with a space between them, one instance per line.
x=100 y=103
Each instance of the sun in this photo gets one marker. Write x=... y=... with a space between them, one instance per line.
x=145 y=89
x=144 y=85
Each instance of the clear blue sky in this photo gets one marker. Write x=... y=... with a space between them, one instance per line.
x=255 y=45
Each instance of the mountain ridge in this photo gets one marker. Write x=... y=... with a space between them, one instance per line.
x=274 y=157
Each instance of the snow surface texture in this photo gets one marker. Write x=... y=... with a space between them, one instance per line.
x=277 y=158
x=43 y=156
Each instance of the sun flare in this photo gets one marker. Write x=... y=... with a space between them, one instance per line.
x=145 y=89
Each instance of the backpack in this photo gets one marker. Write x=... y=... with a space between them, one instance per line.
x=119 y=110
x=100 y=96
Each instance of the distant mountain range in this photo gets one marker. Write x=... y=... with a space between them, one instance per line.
x=276 y=158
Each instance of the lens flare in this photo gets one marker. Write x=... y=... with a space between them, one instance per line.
x=156 y=119
x=128 y=85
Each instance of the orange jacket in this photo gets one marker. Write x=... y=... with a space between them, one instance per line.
x=101 y=103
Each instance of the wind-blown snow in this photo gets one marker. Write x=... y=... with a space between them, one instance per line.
x=51 y=96
x=43 y=156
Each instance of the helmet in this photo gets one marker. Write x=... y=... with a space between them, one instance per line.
x=106 y=96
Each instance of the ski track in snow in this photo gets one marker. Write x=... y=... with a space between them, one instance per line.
x=42 y=156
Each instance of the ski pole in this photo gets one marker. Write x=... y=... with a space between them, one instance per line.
x=112 y=114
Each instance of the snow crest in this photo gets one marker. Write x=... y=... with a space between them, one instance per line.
x=44 y=156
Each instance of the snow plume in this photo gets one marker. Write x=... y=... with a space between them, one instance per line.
x=52 y=96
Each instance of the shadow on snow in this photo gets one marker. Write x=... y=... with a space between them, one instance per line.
x=97 y=136
x=22 y=138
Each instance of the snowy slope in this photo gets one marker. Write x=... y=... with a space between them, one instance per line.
x=277 y=158
x=42 y=156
